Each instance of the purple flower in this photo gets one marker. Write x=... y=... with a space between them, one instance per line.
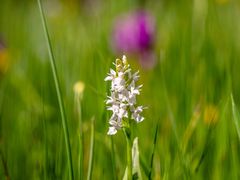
x=134 y=33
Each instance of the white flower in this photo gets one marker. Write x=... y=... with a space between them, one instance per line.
x=118 y=84
x=112 y=130
x=136 y=114
x=111 y=75
x=135 y=76
x=122 y=100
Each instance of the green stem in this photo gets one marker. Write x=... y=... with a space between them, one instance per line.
x=58 y=91
x=127 y=133
x=80 y=161
x=91 y=152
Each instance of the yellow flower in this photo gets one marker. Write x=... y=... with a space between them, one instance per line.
x=210 y=115
x=78 y=89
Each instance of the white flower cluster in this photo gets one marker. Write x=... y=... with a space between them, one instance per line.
x=122 y=101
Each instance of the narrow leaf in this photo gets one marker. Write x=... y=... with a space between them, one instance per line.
x=136 y=163
x=58 y=90
x=153 y=152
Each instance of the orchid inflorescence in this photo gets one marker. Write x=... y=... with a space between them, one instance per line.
x=122 y=101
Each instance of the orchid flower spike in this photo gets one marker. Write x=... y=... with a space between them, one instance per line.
x=122 y=100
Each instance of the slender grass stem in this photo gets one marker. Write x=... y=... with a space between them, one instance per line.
x=80 y=160
x=153 y=151
x=127 y=133
x=58 y=91
x=91 y=153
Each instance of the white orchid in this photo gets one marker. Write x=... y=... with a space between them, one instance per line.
x=122 y=101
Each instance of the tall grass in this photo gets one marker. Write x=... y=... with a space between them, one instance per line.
x=197 y=54
x=58 y=91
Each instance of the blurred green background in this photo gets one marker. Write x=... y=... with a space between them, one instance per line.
x=197 y=49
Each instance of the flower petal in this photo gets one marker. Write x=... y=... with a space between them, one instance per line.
x=112 y=131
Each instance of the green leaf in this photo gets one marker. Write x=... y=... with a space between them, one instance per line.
x=136 y=164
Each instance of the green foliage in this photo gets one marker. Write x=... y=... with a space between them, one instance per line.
x=187 y=92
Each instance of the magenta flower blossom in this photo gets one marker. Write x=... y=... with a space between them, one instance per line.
x=134 y=33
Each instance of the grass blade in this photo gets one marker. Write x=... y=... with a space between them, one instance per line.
x=169 y=110
x=153 y=152
x=58 y=91
x=205 y=149
x=5 y=168
x=190 y=128
x=235 y=117
x=80 y=136
x=91 y=153
x=174 y=127
x=144 y=166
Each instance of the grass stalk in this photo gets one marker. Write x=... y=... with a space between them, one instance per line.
x=58 y=91
x=91 y=153
x=153 y=151
x=80 y=159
